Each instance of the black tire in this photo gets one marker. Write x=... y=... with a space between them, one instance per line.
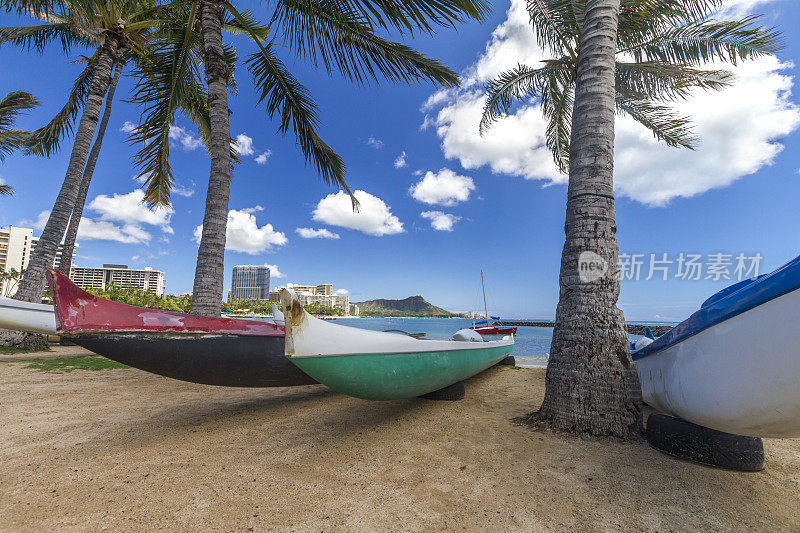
x=508 y=361
x=703 y=445
x=451 y=393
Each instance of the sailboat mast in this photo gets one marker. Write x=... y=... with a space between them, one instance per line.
x=485 y=309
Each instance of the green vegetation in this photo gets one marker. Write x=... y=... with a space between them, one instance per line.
x=315 y=308
x=13 y=278
x=264 y=307
x=142 y=298
x=68 y=364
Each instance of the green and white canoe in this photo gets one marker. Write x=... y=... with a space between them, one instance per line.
x=381 y=366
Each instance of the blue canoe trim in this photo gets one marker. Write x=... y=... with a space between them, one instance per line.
x=729 y=302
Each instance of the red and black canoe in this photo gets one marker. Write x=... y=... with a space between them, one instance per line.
x=213 y=351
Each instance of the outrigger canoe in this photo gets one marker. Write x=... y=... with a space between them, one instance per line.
x=212 y=351
x=26 y=316
x=734 y=365
x=375 y=365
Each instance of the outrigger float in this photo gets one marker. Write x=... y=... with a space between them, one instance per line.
x=26 y=316
x=212 y=351
x=375 y=365
x=734 y=365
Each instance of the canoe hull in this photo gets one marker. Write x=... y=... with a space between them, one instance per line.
x=223 y=360
x=739 y=376
x=25 y=316
x=400 y=375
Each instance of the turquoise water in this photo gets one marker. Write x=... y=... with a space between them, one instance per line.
x=532 y=344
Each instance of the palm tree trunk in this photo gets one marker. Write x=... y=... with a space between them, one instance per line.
x=592 y=385
x=207 y=292
x=30 y=290
x=77 y=211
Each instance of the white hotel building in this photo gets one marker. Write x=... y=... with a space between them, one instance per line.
x=17 y=244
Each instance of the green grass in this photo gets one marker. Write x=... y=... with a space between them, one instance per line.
x=68 y=364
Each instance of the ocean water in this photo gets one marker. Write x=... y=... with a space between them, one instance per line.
x=531 y=348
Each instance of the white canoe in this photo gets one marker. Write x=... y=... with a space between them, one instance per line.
x=734 y=365
x=25 y=316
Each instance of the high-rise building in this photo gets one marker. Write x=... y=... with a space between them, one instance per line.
x=321 y=294
x=145 y=278
x=250 y=282
x=16 y=247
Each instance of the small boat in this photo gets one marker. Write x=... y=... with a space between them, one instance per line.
x=486 y=330
x=374 y=365
x=734 y=365
x=26 y=316
x=213 y=351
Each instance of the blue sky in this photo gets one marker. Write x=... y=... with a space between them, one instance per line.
x=497 y=202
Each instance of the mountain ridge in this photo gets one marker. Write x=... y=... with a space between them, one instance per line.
x=411 y=306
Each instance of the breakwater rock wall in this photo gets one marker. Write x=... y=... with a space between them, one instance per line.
x=633 y=329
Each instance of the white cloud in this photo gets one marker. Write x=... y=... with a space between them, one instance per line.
x=274 y=273
x=440 y=221
x=400 y=162
x=443 y=188
x=130 y=209
x=245 y=235
x=374 y=217
x=187 y=140
x=375 y=143
x=342 y=292
x=322 y=233
x=739 y=127
x=102 y=230
x=251 y=210
x=127 y=126
x=180 y=190
x=262 y=158
x=243 y=144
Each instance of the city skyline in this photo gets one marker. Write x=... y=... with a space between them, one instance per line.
x=439 y=202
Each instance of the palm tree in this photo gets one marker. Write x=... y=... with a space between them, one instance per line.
x=12 y=139
x=342 y=35
x=661 y=46
x=68 y=249
x=116 y=30
x=591 y=384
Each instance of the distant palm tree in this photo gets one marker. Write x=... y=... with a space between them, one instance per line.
x=592 y=385
x=116 y=30
x=13 y=139
x=342 y=35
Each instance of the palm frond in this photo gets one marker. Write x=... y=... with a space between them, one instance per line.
x=6 y=190
x=696 y=43
x=425 y=15
x=39 y=36
x=46 y=140
x=558 y=97
x=555 y=25
x=10 y=107
x=168 y=78
x=667 y=126
x=290 y=100
x=511 y=86
x=652 y=80
x=331 y=33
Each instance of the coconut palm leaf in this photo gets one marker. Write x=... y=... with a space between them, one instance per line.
x=696 y=43
x=665 y=81
x=46 y=140
x=13 y=139
x=424 y=15
x=330 y=32
x=287 y=98
x=665 y=124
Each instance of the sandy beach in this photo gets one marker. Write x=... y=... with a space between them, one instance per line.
x=123 y=450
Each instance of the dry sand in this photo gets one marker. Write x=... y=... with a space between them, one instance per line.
x=123 y=449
